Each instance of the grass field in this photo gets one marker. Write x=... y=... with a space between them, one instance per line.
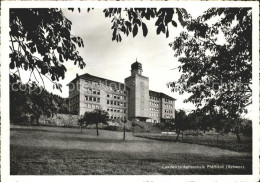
x=228 y=142
x=56 y=151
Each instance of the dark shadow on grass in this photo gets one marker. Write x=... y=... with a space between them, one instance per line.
x=42 y=161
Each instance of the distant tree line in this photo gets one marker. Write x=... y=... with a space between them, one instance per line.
x=199 y=122
x=29 y=101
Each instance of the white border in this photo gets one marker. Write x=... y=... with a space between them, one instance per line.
x=5 y=138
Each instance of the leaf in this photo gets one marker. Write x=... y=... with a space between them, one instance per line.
x=147 y=16
x=160 y=29
x=137 y=21
x=11 y=65
x=174 y=23
x=119 y=38
x=180 y=18
x=167 y=32
x=169 y=15
x=135 y=30
x=159 y=21
x=60 y=58
x=145 y=30
x=114 y=35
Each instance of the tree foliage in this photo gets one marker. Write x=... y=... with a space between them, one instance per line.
x=29 y=101
x=130 y=20
x=41 y=41
x=181 y=122
x=94 y=117
x=217 y=74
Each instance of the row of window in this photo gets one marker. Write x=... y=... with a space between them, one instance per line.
x=92 y=106
x=92 y=99
x=169 y=100
x=93 y=91
x=93 y=83
x=116 y=110
x=154 y=98
x=168 y=111
x=154 y=115
x=74 y=99
x=117 y=117
x=120 y=97
x=154 y=104
x=154 y=109
x=168 y=106
x=111 y=87
x=116 y=103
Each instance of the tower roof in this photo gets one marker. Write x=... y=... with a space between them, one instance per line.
x=136 y=65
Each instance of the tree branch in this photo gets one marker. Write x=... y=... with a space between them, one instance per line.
x=40 y=76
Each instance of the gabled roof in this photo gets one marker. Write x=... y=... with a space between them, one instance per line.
x=89 y=77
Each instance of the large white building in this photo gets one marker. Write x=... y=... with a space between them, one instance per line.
x=130 y=100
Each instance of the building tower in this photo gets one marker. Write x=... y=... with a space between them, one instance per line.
x=138 y=107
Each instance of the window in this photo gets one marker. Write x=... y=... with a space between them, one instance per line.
x=90 y=98
x=108 y=95
x=107 y=101
x=94 y=99
x=107 y=109
x=98 y=100
x=98 y=92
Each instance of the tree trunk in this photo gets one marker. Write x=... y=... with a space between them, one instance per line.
x=81 y=128
x=124 y=133
x=182 y=135
x=238 y=137
x=133 y=130
x=178 y=133
x=97 y=129
x=37 y=120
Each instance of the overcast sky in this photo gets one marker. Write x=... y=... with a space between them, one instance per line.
x=109 y=59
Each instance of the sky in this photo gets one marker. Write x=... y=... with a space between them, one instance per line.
x=112 y=60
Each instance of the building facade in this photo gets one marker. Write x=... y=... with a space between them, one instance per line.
x=131 y=100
